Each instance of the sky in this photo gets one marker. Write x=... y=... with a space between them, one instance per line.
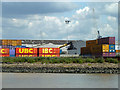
x=46 y=20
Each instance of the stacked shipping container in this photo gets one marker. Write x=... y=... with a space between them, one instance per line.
x=117 y=49
x=4 y=52
x=49 y=52
x=26 y=52
x=11 y=45
x=104 y=47
x=30 y=52
x=14 y=48
x=111 y=42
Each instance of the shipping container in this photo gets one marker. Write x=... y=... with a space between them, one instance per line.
x=9 y=42
x=4 y=46
x=111 y=48
x=12 y=52
x=19 y=42
x=18 y=46
x=117 y=47
x=26 y=55
x=105 y=54
x=4 y=42
x=117 y=51
x=12 y=42
x=8 y=46
x=49 y=55
x=12 y=47
x=4 y=52
x=91 y=43
x=60 y=51
x=107 y=40
x=12 y=56
x=0 y=42
x=100 y=48
x=23 y=46
x=26 y=52
x=86 y=50
x=49 y=52
x=112 y=54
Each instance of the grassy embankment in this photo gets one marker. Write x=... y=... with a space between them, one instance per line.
x=64 y=60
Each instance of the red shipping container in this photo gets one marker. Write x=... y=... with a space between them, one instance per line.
x=105 y=54
x=49 y=50
x=22 y=55
x=4 y=52
x=86 y=50
x=49 y=55
x=107 y=40
x=112 y=54
x=26 y=52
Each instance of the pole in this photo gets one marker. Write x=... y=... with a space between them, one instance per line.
x=67 y=22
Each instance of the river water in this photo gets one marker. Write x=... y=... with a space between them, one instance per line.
x=49 y=80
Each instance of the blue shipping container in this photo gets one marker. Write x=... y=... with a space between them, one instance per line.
x=60 y=51
x=18 y=46
x=12 y=52
x=111 y=48
x=23 y=46
x=4 y=46
x=12 y=47
x=12 y=55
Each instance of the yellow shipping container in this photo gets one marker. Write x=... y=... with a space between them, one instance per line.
x=12 y=42
x=4 y=42
x=91 y=43
x=9 y=42
x=105 y=48
x=19 y=42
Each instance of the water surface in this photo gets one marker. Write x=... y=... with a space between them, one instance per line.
x=47 y=80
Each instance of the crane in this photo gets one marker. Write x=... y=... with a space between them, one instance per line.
x=71 y=47
x=99 y=35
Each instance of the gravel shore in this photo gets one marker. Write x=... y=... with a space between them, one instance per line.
x=108 y=68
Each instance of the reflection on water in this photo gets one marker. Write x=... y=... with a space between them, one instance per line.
x=44 y=80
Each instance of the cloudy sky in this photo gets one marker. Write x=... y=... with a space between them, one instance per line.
x=46 y=20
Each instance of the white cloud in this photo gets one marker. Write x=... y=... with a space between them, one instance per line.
x=111 y=8
x=83 y=25
x=107 y=30
x=80 y=11
x=111 y=18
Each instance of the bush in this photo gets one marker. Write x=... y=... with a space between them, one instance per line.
x=89 y=60
x=100 y=60
x=56 y=60
x=80 y=61
x=111 y=60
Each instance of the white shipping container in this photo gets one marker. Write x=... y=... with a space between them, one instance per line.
x=117 y=47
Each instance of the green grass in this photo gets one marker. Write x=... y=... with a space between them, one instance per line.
x=56 y=60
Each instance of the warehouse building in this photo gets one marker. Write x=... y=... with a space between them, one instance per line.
x=56 y=43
